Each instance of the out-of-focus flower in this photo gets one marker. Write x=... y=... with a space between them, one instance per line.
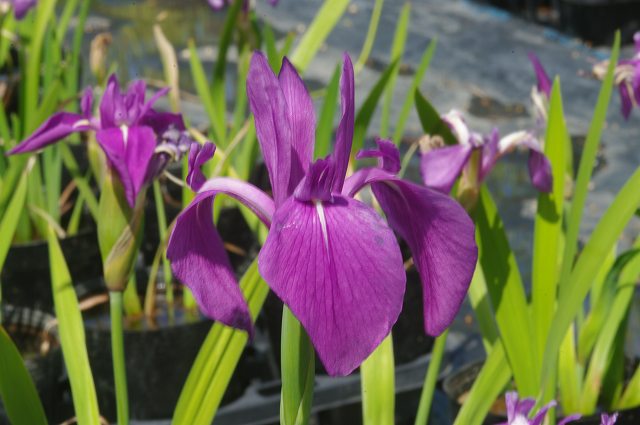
x=329 y=257
x=20 y=7
x=475 y=155
x=137 y=140
x=541 y=92
x=606 y=419
x=221 y=4
x=627 y=78
x=518 y=411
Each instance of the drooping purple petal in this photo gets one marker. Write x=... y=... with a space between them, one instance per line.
x=302 y=119
x=540 y=171
x=197 y=254
x=338 y=267
x=129 y=151
x=606 y=419
x=388 y=154
x=626 y=104
x=441 y=167
x=162 y=122
x=490 y=153
x=198 y=156
x=441 y=237
x=544 y=82
x=344 y=133
x=21 y=7
x=269 y=106
x=57 y=127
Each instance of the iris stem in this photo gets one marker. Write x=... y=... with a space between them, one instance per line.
x=426 y=398
x=117 y=348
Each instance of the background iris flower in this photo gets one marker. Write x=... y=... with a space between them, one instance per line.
x=137 y=140
x=328 y=256
x=20 y=7
x=221 y=4
x=441 y=166
x=518 y=411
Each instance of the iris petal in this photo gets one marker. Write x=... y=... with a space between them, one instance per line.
x=338 y=267
x=129 y=157
x=441 y=167
x=269 y=107
x=344 y=134
x=57 y=127
x=441 y=237
x=198 y=156
x=544 y=82
x=302 y=119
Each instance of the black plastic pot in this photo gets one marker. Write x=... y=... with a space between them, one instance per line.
x=597 y=20
x=26 y=280
x=33 y=332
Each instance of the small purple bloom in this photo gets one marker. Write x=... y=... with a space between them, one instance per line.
x=328 y=256
x=137 y=140
x=608 y=419
x=20 y=7
x=544 y=82
x=441 y=167
x=626 y=77
x=518 y=411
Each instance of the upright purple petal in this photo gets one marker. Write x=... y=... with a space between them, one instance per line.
x=605 y=418
x=316 y=185
x=490 y=153
x=21 y=7
x=161 y=122
x=388 y=154
x=441 y=167
x=129 y=151
x=57 y=127
x=544 y=82
x=302 y=119
x=86 y=102
x=146 y=107
x=111 y=103
x=344 y=134
x=198 y=156
x=269 y=106
x=338 y=267
x=441 y=237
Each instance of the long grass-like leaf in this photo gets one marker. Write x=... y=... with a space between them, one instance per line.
x=397 y=50
x=72 y=338
x=377 y=380
x=325 y=20
x=204 y=92
x=431 y=122
x=371 y=35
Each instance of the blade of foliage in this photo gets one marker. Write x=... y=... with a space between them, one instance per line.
x=169 y=61
x=82 y=182
x=371 y=35
x=548 y=225
x=217 y=359
x=377 y=380
x=298 y=371
x=364 y=115
x=506 y=291
x=327 y=115
x=44 y=13
x=425 y=61
x=488 y=386
x=11 y=217
x=481 y=305
x=19 y=396
x=585 y=170
x=604 y=236
x=628 y=267
x=431 y=122
x=570 y=373
x=271 y=48
x=204 y=93
x=397 y=50
x=72 y=338
x=72 y=75
x=325 y=20
x=430 y=379
x=631 y=396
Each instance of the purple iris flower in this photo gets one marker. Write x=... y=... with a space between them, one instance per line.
x=518 y=411
x=441 y=166
x=328 y=256
x=541 y=92
x=20 y=7
x=137 y=140
x=626 y=77
x=221 y=4
x=608 y=419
